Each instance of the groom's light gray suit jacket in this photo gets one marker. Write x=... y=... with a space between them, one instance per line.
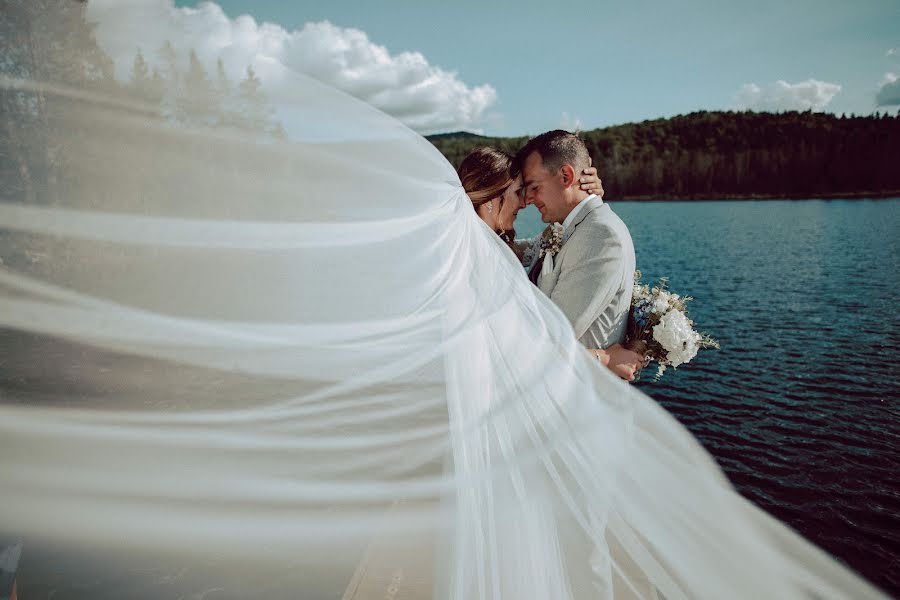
x=593 y=275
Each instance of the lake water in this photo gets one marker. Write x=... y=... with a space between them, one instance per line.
x=800 y=406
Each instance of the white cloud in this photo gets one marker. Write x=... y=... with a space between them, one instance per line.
x=889 y=91
x=570 y=123
x=781 y=95
x=404 y=85
x=891 y=52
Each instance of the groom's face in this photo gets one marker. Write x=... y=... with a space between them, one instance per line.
x=544 y=190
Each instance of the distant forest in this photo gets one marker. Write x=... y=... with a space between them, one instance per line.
x=700 y=155
x=733 y=155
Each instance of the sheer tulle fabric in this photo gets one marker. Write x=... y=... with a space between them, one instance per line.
x=312 y=358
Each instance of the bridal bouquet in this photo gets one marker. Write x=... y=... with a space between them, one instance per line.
x=659 y=327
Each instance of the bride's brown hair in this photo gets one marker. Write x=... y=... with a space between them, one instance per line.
x=484 y=174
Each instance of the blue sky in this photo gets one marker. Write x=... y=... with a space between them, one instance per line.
x=601 y=63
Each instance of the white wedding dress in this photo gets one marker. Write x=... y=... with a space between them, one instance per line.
x=282 y=354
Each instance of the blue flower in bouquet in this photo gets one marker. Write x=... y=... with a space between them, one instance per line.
x=642 y=311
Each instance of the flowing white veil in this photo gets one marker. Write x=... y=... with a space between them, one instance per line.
x=310 y=359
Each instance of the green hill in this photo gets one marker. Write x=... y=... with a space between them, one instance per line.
x=733 y=155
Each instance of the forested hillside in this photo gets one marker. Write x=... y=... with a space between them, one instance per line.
x=734 y=154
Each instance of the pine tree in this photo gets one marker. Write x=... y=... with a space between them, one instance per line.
x=44 y=41
x=254 y=110
x=157 y=85
x=171 y=80
x=222 y=84
x=196 y=98
x=140 y=75
x=170 y=62
x=278 y=132
x=148 y=87
x=223 y=94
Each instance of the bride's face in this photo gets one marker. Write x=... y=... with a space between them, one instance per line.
x=511 y=202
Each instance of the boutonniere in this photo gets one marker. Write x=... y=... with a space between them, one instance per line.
x=551 y=240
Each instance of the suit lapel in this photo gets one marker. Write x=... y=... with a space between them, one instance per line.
x=592 y=205
x=546 y=284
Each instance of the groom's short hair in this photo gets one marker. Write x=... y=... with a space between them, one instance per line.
x=556 y=149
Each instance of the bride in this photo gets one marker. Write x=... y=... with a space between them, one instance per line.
x=228 y=365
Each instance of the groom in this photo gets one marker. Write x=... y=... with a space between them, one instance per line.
x=591 y=276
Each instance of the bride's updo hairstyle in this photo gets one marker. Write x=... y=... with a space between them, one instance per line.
x=484 y=174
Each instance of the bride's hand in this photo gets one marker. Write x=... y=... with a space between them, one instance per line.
x=590 y=183
x=621 y=361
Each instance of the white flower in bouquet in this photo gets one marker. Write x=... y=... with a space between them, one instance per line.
x=640 y=292
x=675 y=333
x=551 y=240
x=661 y=303
x=659 y=327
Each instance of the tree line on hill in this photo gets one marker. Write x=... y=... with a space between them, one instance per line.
x=49 y=55
x=700 y=155
x=192 y=97
x=733 y=155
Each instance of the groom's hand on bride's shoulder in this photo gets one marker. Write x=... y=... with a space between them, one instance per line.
x=623 y=362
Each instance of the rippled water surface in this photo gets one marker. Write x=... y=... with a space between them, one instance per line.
x=800 y=406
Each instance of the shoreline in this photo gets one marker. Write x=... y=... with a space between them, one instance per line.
x=866 y=195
